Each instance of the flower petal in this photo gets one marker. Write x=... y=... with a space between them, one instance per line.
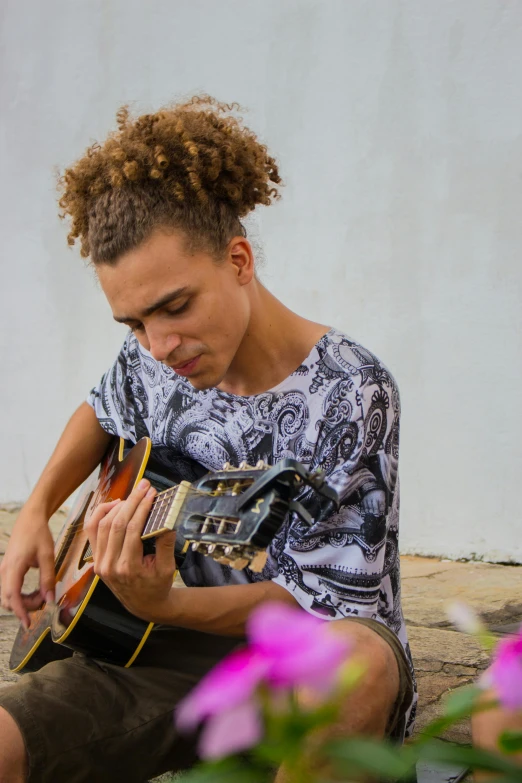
x=275 y=627
x=505 y=673
x=231 y=682
x=232 y=731
x=464 y=618
x=316 y=665
x=301 y=648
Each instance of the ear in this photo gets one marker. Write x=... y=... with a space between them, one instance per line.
x=241 y=257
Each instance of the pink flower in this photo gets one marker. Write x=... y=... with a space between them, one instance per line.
x=505 y=673
x=230 y=683
x=288 y=648
x=236 y=729
x=301 y=648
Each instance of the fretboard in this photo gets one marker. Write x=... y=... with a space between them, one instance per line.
x=160 y=511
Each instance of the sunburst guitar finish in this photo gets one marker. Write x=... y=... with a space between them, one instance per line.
x=85 y=610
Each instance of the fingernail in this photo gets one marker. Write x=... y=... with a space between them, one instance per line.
x=143 y=484
x=49 y=597
x=25 y=625
x=151 y=492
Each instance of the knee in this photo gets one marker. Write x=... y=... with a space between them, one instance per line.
x=380 y=677
x=367 y=707
x=13 y=761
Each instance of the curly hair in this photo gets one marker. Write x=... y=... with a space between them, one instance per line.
x=189 y=166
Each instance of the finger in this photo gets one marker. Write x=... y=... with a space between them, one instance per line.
x=133 y=501
x=101 y=510
x=103 y=530
x=165 y=551
x=12 y=598
x=126 y=512
x=32 y=601
x=115 y=538
x=47 y=575
x=132 y=549
x=92 y=525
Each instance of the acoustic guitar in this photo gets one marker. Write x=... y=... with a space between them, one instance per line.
x=230 y=515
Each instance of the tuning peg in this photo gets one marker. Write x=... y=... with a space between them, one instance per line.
x=261 y=464
x=198 y=546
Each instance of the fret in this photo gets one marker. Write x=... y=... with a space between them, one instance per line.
x=151 y=521
x=153 y=514
x=159 y=511
x=169 y=504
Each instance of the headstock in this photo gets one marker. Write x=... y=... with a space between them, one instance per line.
x=232 y=515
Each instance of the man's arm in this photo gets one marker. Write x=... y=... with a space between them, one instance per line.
x=220 y=610
x=79 y=450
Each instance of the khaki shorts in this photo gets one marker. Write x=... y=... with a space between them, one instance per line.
x=83 y=720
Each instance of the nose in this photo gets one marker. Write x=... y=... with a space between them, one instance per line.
x=161 y=345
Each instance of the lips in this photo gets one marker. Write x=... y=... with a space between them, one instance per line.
x=187 y=367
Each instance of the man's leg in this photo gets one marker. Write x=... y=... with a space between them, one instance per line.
x=369 y=709
x=84 y=721
x=13 y=760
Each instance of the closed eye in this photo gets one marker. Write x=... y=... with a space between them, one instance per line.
x=179 y=310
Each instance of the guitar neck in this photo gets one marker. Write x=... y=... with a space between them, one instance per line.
x=164 y=515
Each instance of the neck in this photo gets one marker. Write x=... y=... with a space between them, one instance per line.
x=275 y=343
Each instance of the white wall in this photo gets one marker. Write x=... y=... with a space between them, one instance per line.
x=398 y=127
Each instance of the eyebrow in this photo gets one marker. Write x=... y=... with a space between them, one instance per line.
x=166 y=299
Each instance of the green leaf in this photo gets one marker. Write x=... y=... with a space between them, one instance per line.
x=448 y=753
x=457 y=705
x=461 y=701
x=510 y=741
x=356 y=754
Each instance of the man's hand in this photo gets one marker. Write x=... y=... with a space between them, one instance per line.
x=142 y=583
x=30 y=546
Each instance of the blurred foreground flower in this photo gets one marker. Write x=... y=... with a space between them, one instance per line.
x=287 y=648
x=504 y=675
x=466 y=619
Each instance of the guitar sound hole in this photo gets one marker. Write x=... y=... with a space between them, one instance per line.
x=86 y=555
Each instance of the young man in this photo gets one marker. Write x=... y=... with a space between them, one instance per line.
x=215 y=369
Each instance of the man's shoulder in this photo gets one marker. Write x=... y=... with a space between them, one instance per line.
x=340 y=357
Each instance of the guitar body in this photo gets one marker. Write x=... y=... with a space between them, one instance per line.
x=87 y=616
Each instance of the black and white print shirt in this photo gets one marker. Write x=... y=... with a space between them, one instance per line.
x=340 y=411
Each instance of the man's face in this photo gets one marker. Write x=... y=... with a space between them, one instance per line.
x=189 y=311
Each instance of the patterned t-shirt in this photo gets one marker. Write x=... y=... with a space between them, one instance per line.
x=339 y=411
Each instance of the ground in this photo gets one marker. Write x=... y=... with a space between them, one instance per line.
x=444 y=658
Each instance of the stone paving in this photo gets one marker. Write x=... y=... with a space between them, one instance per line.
x=444 y=658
